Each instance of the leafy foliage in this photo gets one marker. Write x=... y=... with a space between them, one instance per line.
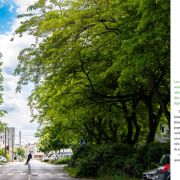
x=100 y=69
x=117 y=159
x=63 y=160
x=2 y=112
x=20 y=151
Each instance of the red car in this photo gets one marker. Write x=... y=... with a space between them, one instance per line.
x=160 y=173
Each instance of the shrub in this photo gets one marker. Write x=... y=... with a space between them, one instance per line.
x=110 y=159
x=71 y=171
x=63 y=160
x=147 y=157
x=122 y=176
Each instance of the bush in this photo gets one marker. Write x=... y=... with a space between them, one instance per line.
x=88 y=160
x=102 y=160
x=145 y=157
x=8 y=157
x=63 y=160
x=71 y=171
x=122 y=176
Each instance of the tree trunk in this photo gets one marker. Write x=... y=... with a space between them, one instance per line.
x=114 y=131
x=137 y=132
x=162 y=103
x=152 y=123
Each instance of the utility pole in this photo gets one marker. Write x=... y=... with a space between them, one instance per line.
x=12 y=146
x=5 y=148
x=20 y=138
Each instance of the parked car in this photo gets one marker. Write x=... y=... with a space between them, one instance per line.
x=47 y=158
x=3 y=159
x=53 y=157
x=160 y=173
x=65 y=154
x=60 y=155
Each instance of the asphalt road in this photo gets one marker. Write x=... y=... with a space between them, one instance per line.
x=35 y=171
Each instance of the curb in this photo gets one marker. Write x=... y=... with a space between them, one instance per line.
x=66 y=172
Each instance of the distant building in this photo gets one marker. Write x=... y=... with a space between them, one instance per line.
x=36 y=153
x=163 y=135
x=8 y=139
x=2 y=140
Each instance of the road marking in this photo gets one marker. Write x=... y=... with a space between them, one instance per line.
x=29 y=171
x=11 y=174
x=23 y=173
x=34 y=174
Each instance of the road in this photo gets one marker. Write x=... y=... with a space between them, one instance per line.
x=35 y=171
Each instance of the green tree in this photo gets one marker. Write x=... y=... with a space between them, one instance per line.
x=99 y=66
x=2 y=112
x=20 y=151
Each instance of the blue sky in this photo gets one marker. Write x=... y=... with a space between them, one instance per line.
x=15 y=103
x=7 y=15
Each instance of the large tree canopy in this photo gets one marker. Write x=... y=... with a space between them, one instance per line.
x=100 y=68
x=2 y=112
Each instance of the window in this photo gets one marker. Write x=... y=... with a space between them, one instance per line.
x=162 y=129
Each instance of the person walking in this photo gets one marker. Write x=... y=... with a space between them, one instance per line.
x=29 y=158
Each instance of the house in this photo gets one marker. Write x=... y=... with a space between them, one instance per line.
x=162 y=134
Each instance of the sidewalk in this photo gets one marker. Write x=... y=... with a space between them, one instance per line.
x=4 y=164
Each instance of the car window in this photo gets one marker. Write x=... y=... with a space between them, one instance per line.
x=165 y=159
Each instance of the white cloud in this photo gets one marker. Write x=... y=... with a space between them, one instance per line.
x=23 y=5
x=11 y=8
x=18 y=113
x=10 y=49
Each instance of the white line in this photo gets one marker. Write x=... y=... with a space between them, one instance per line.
x=29 y=172
x=10 y=174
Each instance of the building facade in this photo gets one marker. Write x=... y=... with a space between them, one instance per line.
x=163 y=135
x=7 y=139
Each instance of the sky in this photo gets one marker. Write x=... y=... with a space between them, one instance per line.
x=15 y=104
